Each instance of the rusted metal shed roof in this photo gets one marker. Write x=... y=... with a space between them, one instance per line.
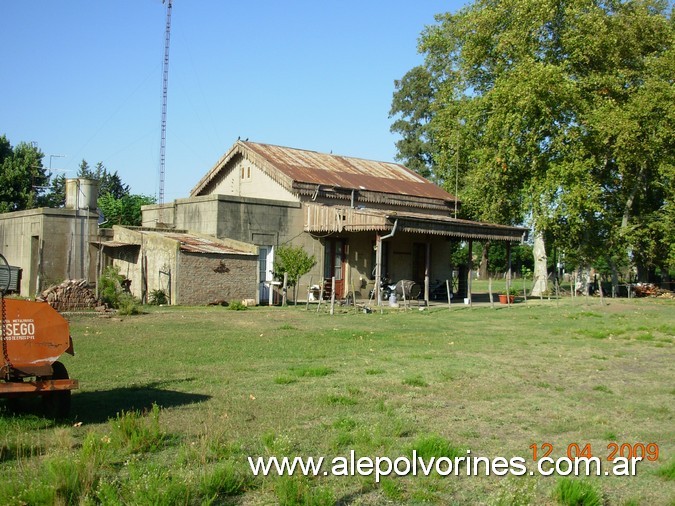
x=114 y=244
x=299 y=169
x=199 y=244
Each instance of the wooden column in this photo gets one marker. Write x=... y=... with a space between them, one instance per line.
x=378 y=267
x=508 y=274
x=469 y=265
x=427 y=270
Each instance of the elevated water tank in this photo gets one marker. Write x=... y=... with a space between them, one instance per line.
x=81 y=193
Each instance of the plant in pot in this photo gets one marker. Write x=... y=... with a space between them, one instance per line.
x=510 y=293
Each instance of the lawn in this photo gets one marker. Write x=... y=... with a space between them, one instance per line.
x=172 y=402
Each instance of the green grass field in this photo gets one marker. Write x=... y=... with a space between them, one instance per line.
x=173 y=401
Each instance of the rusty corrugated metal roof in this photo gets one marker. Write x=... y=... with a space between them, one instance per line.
x=198 y=244
x=299 y=166
x=347 y=172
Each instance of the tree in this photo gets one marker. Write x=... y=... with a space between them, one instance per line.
x=125 y=210
x=22 y=176
x=56 y=196
x=109 y=182
x=293 y=261
x=413 y=101
x=522 y=92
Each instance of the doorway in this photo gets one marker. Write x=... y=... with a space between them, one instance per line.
x=265 y=268
x=334 y=264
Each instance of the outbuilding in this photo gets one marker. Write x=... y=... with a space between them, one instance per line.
x=190 y=268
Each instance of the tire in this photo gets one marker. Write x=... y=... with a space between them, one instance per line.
x=57 y=404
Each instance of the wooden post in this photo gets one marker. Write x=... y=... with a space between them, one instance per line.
x=602 y=298
x=309 y=288
x=557 y=296
x=332 y=295
x=353 y=293
x=320 y=297
x=447 y=287
x=378 y=268
x=469 y=264
x=508 y=274
x=427 y=268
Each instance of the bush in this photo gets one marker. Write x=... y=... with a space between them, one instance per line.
x=112 y=293
x=158 y=298
x=110 y=285
x=127 y=304
x=237 y=306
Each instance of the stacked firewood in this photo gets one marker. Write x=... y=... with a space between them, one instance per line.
x=651 y=290
x=71 y=295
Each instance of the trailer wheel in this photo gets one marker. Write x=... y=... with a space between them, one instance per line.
x=57 y=404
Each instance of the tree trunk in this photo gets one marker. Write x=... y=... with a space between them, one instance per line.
x=483 y=269
x=615 y=277
x=540 y=272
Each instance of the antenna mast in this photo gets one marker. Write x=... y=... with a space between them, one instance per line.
x=165 y=88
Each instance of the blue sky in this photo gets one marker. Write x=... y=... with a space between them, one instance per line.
x=83 y=78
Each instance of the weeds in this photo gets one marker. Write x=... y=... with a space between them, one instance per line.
x=436 y=446
x=570 y=492
x=415 y=381
x=140 y=434
x=667 y=471
x=311 y=372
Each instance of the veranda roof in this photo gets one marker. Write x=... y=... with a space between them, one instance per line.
x=325 y=219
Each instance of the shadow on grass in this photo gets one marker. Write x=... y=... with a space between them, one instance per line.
x=99 y=406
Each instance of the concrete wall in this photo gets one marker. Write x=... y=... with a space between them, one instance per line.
x=205 y=278
x=160 y=256
x=58 y=239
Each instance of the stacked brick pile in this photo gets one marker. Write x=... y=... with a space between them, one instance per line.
x=72 y=294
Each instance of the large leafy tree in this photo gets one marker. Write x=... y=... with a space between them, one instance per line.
x=125 y=210
x=558 y=112
x=23 y=178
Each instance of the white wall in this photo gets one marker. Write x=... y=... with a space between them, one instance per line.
x=244 y=179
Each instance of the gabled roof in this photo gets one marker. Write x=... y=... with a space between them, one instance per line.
x=305 y=172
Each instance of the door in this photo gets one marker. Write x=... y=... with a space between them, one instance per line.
x=334 y=264
x=419 y=262
x=265 y=266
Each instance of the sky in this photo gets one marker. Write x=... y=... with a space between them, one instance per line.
x=83 y=80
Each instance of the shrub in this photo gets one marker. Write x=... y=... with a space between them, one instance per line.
x=110 y=285
x=127 y=304
x=112 y=293
x=158 y=298
x=237 y=306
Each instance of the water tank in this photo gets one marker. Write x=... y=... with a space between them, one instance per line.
x=81 y=193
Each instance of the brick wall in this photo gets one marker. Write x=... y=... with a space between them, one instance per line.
x=204 y=278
